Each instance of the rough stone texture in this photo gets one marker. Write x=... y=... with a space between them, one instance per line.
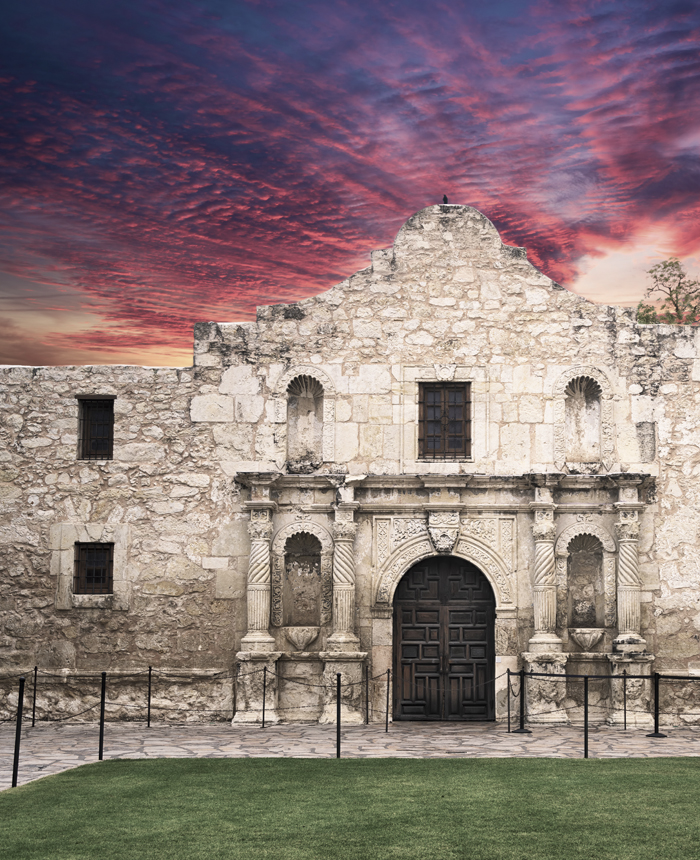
x=449 y=301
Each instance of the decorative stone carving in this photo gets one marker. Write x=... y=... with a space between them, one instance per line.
x=250 y=683
x=343 y=637
x=349 y=664
x=629 y=619
x=383 y=530
x=329 y=394
x=258 y=637
x=443 y=527
x=637 y=691
x=301 y=637
x=607 y=438
x=483 y=529
x=399 y=564
x=278 y=547
x=544 y=581
x=404 y=529
x=544 y=698
x=586 y=637
x=445 y=372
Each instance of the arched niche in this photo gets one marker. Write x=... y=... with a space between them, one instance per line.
x=585 y=574
x=304 y=425
x=300 y=544
x=304 y=406
x=583 y=421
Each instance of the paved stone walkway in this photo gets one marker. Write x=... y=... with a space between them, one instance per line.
x=48 y=749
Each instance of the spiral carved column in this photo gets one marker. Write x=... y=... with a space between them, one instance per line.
x=629 y=591
x=544 y=583
x=258 y=593
x=343 y=636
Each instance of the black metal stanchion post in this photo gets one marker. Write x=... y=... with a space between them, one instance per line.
x=521 y=730
x=388 y=684
x=508 y=681
x=656 y=733
x=624 y=699
x=36 y=672
x=337 y=715
x=150 y=673
x=585 y=716
x=366 y=695
x=18 y=731
x=264 y=694
x=102 y=714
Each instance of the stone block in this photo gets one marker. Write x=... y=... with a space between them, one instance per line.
x=346 y=442
x=240 y=379
x=211 y=407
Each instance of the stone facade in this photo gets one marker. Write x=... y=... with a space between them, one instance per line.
x=290 y=449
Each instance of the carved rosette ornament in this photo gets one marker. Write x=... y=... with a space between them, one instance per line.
x=258 y=592
x=443 y=527
x=344 y=530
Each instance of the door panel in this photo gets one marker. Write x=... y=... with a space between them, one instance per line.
x=444 y=651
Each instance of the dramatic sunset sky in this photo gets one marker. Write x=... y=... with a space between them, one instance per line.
x=168 y=162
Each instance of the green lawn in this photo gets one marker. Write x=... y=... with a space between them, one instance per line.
x=289 y=809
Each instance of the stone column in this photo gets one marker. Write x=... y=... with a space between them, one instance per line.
x=258 y=637
x=629 y=588
x=544 y=584
x=639 y=698
x=343 y=637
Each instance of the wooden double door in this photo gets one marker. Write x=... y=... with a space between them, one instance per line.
x=444 y=648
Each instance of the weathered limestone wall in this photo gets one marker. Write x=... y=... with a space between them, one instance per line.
x=448 y=301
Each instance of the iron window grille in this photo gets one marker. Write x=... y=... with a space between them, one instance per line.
x=444 y=421
x=96 y=430
x=93 y=568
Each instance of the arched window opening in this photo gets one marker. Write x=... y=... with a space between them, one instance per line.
x=585 y=582
x=302 y=588
x=304 y=425
x=583 y=396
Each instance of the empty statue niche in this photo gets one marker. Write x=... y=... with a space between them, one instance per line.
x=583 y=424
x=302 y=587
x=586 y=589
x=304 y=425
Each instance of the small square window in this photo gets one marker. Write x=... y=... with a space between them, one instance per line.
x=93 y=568
x=96 y=430
x=444 y=421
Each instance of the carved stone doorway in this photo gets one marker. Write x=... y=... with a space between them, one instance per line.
x=444 y=644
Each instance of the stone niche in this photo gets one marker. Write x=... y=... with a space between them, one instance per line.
x=582 y=410
x=304 y=425
x=585 y=581
x=302 y=586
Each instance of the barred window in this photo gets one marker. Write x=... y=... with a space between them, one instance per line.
x=93 y=568
x=444 y=421
x=96 y=430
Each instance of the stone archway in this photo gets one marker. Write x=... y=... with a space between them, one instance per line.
x=444 y=642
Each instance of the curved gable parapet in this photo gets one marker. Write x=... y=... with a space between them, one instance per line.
x=470 y=549
x=593 y=529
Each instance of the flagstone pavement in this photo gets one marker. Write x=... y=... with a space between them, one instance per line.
x=50 y=748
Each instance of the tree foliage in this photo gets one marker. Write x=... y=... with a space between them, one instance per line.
x=676 y=295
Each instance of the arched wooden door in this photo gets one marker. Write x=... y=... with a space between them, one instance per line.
x=444 y=647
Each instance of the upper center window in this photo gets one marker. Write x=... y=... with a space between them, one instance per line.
x=444 y=421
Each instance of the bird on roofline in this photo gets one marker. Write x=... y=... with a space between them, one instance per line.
x=444 y=198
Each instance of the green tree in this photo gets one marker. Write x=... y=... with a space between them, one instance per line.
x=678 y=295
